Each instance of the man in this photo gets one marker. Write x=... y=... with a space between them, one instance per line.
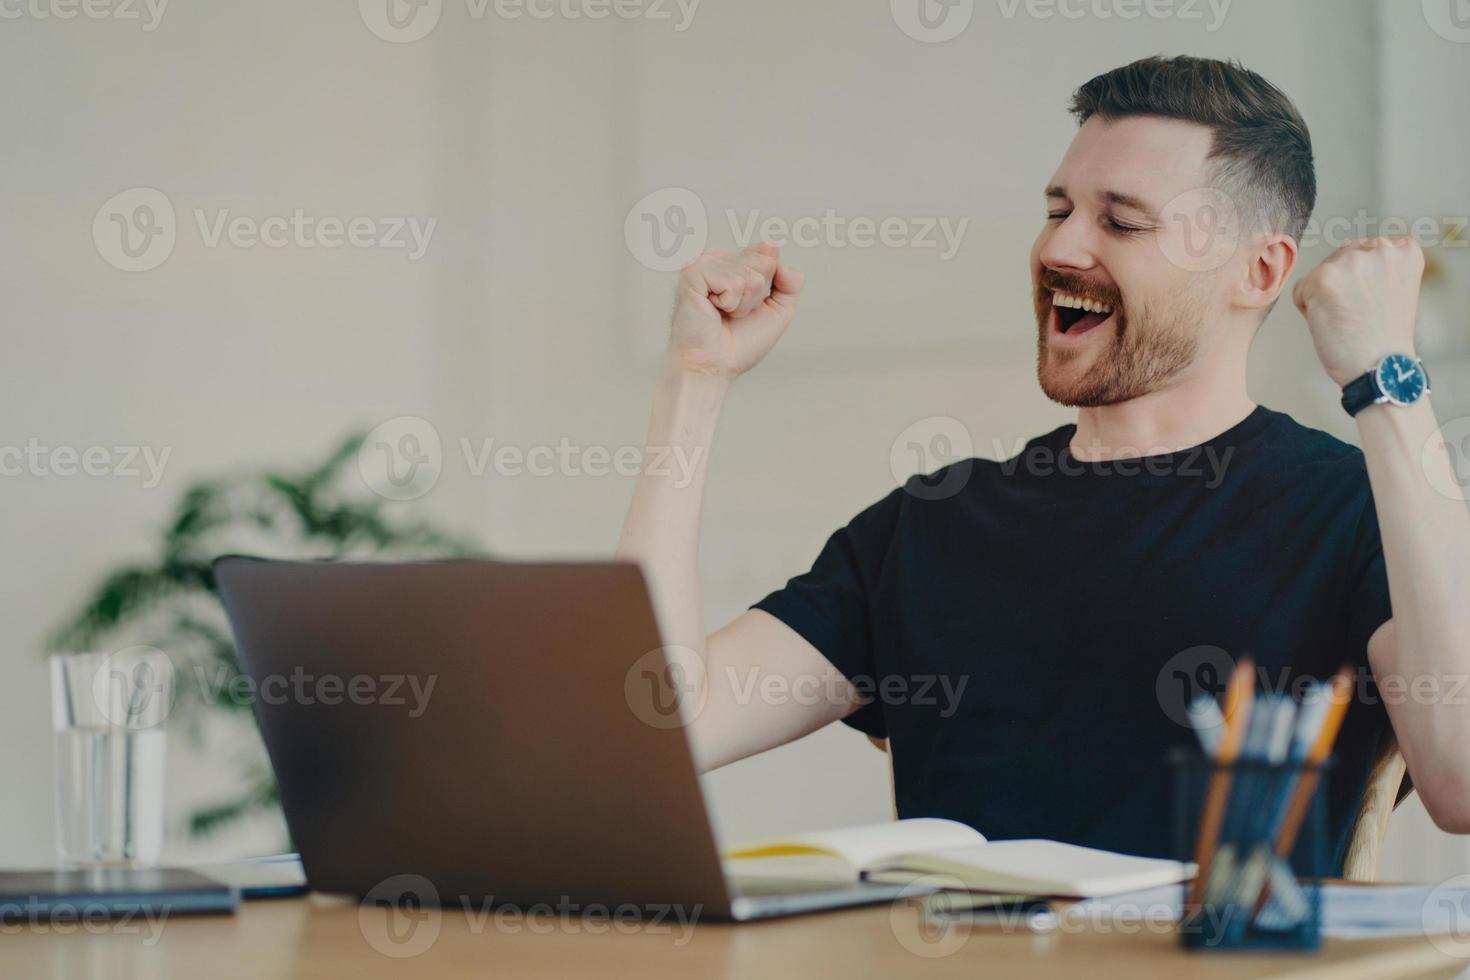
x=1175 y=528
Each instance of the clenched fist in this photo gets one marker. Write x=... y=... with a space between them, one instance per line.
x=731 y=309
x=1360 y=303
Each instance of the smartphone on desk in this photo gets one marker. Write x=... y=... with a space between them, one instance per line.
x=1008 y=913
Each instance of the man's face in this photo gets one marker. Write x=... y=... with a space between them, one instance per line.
x=1114 y=239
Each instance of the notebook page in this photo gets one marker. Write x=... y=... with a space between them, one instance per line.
x=862 y=846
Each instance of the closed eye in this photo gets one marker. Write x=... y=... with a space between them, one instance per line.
x=1115 y=226
x=1123 y=229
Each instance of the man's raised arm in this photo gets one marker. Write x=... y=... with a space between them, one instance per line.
x=731 y=309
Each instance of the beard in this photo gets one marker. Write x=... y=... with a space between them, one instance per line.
x=1146 y=352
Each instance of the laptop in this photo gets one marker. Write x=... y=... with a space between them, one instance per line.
x=478 y=724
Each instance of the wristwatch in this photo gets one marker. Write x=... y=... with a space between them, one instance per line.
x=1398 y=379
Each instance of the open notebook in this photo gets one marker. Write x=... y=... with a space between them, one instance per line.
x=905 y=850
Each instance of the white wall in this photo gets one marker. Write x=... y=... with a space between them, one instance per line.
x=530 y=320
x=1423 y=145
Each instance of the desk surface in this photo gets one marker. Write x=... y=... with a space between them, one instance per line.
x=329 y=937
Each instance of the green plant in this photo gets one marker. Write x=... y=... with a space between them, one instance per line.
x=171 y=602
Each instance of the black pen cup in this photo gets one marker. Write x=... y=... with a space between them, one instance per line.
x=1259 y=833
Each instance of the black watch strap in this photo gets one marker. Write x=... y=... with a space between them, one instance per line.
x=1360 y=393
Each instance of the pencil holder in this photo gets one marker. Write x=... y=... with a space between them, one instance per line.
x=1258 y=832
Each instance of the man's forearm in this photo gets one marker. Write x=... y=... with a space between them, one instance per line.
x=1426 y=546
x=661 y=531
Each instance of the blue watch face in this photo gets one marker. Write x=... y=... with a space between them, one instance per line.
x=1401 y=378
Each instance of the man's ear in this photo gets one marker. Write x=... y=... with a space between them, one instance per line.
x=1266 y=273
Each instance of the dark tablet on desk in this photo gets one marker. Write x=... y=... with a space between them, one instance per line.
x=103 y=893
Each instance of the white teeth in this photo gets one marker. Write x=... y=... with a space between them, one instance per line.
x=1077 y=303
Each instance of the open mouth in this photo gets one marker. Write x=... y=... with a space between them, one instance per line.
x=1075 y=316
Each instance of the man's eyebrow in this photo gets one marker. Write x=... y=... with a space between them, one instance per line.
x=1127 y=201
x=1117 y=198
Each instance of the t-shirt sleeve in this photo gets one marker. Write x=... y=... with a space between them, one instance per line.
x=831 y=606
x=1368 y=602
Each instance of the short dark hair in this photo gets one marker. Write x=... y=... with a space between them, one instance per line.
x=1262 y=151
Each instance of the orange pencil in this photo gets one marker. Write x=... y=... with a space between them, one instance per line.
x=1340 y=697
x=1238 y=698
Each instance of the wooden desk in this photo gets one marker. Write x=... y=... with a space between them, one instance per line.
x=333 y=938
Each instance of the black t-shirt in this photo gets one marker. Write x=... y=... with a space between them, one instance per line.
x=1029 y=631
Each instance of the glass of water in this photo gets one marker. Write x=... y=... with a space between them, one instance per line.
x=107 y=711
